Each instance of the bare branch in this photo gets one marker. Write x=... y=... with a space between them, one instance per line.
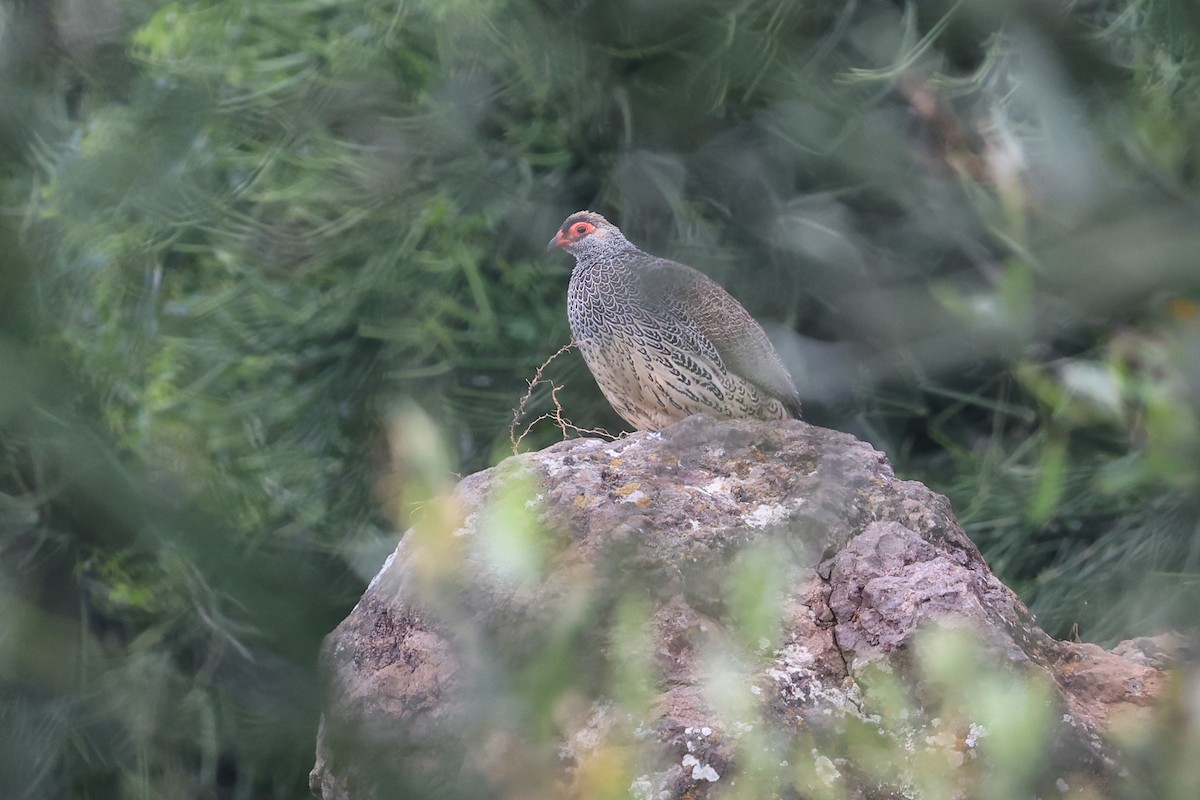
x=556 y=415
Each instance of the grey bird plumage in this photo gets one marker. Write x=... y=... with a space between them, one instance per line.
x=663 y=340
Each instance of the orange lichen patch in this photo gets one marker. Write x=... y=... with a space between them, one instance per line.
x=603 y=772
x=616 y=462
x=642 y=501
x=738 y=467
x=1103 y=686
x=627 y=489
x=1183 y=309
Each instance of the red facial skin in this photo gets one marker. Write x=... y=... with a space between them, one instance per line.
x=572 y=233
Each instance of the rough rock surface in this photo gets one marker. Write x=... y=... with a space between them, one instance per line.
x=866 y=562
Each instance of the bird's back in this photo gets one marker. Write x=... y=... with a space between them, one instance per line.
x=664 y=342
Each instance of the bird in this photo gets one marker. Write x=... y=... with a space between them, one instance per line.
x=663 y=340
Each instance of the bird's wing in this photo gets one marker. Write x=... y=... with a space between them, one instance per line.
x=739 y=340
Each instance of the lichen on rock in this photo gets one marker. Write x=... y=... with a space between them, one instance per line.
x=718 y=605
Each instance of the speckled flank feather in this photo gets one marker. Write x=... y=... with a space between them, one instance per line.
x=663 y=340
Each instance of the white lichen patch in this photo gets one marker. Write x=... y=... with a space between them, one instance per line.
x=553 y=465
x=591 y=736
x=641 y=789
x=470 y=525
x=700 y=770
x=942 y=738
x=765 y=515
x=634 y=496
x=799 y=685
x=825 y=770
x=791 y=659
x=974 y=733
x=717 y=486
x=790 y=670
x=843 y=701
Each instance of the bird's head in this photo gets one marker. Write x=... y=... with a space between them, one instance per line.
x=586 y=232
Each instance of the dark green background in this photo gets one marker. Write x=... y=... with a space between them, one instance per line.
x=241 y=236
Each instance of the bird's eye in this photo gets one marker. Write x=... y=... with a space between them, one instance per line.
x=581 y=229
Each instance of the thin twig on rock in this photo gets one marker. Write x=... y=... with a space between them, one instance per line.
x=556 y=415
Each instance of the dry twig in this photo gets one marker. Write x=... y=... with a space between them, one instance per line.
x=556 y=415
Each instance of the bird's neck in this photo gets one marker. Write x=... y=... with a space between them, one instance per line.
x=603 y=276
x=615 y=259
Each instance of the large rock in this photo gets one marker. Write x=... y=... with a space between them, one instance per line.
x=482 y=660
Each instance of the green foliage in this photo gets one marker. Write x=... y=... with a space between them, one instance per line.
x=241 y=234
